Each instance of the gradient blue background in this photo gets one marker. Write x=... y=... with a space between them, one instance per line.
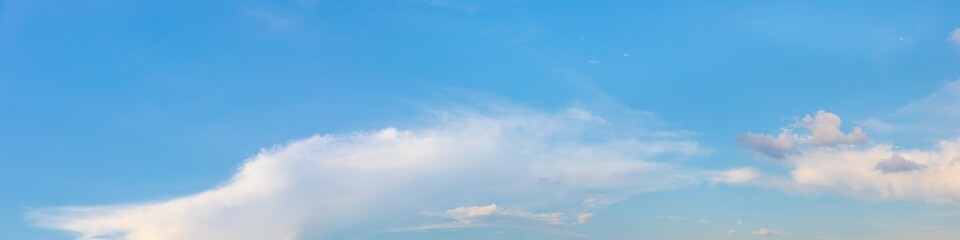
x=124 y=101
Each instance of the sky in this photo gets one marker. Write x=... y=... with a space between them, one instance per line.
x=448 y=119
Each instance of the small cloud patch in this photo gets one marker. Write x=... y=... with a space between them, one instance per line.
x=897 y=163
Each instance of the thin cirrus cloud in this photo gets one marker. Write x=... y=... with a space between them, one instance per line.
x=510 y=167
x=494 y=216
x=826 y=159
x=941 y=103
x=673 y=218
x=920 y=122
x=934 y=116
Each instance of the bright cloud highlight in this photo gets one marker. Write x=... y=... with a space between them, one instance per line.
x=513 y=167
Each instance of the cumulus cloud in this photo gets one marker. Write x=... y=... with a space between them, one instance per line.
x=825 y=130
x=822 y=129
x=765 y=232
x=526 y=162
x=870 y=170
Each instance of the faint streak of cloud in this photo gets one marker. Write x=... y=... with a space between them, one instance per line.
x=494 y=216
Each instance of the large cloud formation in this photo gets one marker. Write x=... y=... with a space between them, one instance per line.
x=513 y=167
x=826 y=159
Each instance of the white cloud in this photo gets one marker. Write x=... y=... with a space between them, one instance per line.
x=466 y=214
x=599 y=200
x=955 y=36
x=871 y=170
x=765 y=232
x=325 y=185
x=584 y=217
x=823 y=129
x=738 y=175
x=493 y=216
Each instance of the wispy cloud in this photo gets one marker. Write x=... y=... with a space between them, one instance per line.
x=931 y=116
x=940 y=103
x=494 y=216
x=316 y=187
x=955 y=36
x=673 y=218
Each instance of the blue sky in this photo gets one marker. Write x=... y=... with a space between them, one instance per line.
x=479 y=120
